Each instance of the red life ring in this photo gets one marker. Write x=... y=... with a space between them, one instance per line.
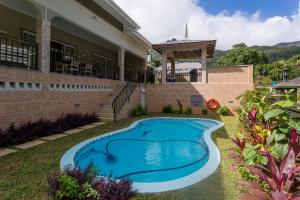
x=212 y=104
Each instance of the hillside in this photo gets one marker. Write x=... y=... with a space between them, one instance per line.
x=280 y=51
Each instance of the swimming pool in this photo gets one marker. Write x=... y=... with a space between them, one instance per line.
x=157 y=154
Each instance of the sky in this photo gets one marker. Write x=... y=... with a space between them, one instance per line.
x=254 y=22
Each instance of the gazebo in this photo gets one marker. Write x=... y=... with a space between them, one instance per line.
x=185 y=49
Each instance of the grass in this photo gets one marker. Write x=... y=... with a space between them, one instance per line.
x=23 y=175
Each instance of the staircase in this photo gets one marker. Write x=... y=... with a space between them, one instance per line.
x=110 y=110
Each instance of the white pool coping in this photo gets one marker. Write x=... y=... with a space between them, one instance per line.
x=212 y=164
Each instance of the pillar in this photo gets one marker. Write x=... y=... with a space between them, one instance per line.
x=145 y=70
x=203 y=65
x=121 y=63
x=164 y=68
x=173 y=68
x=43 y=30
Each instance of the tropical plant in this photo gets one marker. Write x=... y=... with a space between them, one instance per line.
x=281 y=177
x=74 y=183
x=188 y=111
x=139 y=111
x=179 y=105
x=223 y=110
x=167 y=109
x=282 y=124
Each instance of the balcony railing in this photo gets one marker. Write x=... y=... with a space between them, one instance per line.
x=82 y=66
x=18 y=53
x=131 y=76
x=184 y=75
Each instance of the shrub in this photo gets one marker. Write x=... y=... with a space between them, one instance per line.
x=111 y=189
x=32 y=130
x=224 y=110
x=188 y=111
x=138 y=111
x=73 y=184
x=204 y=111
x=167 y=109
x=179 y=105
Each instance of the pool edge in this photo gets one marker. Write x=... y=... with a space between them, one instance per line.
x=197 y=176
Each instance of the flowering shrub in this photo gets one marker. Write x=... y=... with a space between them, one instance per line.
x=76 y=184
x=268 y=141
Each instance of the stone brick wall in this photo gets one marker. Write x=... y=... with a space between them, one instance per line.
x=224 y=84
x=230 y=74
x=31 y=95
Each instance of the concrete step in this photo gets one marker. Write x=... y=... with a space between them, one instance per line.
x=107 y=119
x=108 y=114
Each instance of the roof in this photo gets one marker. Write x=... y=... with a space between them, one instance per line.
x=130 y=26
x=295 y=83
x=187 y=44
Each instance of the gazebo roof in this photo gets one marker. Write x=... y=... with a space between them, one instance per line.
x=295 y=83
x=190 y=45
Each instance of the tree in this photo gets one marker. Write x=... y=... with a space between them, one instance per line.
x=274 y=71
x=240 y=54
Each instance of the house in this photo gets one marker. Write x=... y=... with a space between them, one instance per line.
x=58 y=57
x=80 y=56
x=293 y=84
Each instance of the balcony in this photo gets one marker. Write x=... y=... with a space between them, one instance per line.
x=96 y=66
x=16 y=53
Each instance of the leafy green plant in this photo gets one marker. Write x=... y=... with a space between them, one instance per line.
x=68 y=188
x=167 y=109
x=282 y=123
x=223 y=110
x=188 y=111
x=74 y=183
x=139 y=111
x=252 y=156
x=204 y=111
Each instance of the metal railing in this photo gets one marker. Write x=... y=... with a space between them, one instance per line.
x=131 y=76
x=17 y=53
x=61 y=62
x=184 y=75
x=122 y=97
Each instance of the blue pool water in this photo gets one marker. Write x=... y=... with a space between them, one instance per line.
x=151 y=151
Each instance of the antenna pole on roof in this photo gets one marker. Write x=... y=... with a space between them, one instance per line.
x=186 y=31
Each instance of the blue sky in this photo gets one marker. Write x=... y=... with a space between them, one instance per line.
x=278 y=20
x=268 y=8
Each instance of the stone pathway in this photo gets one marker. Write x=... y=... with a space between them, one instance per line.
x=6 y=151
x=42 y=140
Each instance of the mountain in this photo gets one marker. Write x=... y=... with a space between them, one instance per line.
x=280 y=51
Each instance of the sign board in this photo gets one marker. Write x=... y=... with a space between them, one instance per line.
x=196 y=101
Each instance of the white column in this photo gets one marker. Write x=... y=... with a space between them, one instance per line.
x=203 y=65
x=145 y=70
x=164 y=68
x=43 y=30
x=121 y=63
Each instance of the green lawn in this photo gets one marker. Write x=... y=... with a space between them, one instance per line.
x=23 y=175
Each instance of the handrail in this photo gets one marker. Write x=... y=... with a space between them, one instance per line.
x=122 y=97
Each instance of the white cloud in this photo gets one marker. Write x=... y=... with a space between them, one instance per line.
x=164 y=19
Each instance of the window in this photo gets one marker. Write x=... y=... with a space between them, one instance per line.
x=28 y=37
x=105 y=67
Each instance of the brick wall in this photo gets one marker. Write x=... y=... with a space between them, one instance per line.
x=224 y=84
x=19 y=103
